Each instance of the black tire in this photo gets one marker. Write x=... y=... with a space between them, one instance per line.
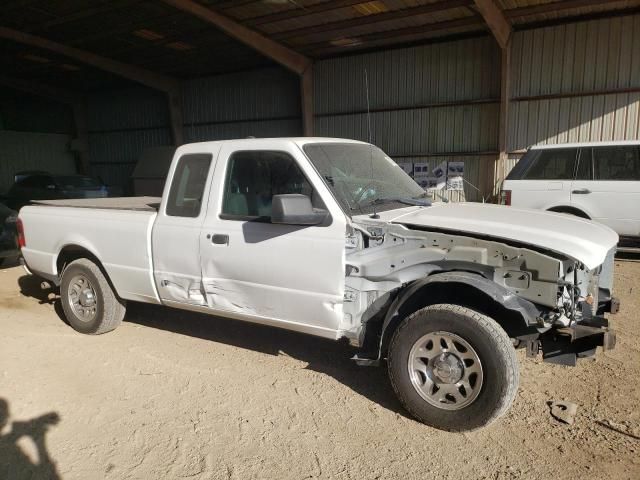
x=493 y=348
x=109 y=309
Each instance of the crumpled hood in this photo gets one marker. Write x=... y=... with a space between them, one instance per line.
x=577 y=238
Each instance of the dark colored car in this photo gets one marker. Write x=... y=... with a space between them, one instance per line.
x=8 y=234
x=30 y=186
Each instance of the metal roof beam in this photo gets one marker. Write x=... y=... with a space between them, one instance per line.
x=279 y=53
x=495 y=20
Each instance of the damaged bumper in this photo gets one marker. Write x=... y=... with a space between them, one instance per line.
x=564 y=346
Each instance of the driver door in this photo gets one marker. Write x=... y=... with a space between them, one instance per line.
x=284 y=275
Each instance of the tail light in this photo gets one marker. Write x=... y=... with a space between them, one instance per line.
x=22 y=242
x=505 y=197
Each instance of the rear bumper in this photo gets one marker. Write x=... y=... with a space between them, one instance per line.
x=564 y=346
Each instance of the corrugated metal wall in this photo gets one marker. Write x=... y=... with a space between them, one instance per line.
x=33 y=151
x=259 y=103
x=121 y=125
x=262 y=103
x=428 y=103
x=570 y=83
x=26 y=113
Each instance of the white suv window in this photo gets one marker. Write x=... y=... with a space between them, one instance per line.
x=616 y=163
x=555 y=164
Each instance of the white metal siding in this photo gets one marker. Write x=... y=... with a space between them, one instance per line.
x=591 y=71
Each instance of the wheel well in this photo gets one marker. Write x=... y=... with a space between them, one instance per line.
x=570 y=210
x=73 y=252
x=513 y=323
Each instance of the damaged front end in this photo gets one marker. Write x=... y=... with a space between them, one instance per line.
x=546 y=302
x=578 y=326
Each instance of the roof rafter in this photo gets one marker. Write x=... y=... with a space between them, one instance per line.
x=279 y=53
x=496 y=21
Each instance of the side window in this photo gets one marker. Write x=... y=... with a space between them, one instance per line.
x=553 y=164
x=585 y=165
x=254 y=177
x=187 y=186
x=617 y=163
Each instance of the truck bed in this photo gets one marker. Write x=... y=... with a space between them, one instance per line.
x=115 y=230
x=145 y=204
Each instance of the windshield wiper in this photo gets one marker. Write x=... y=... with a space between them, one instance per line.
x=382 y=200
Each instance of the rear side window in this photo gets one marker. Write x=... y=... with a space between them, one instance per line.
x=521 y=167
x=616 y=163
x=187 y=187
x=553 y=164
x=254 y=177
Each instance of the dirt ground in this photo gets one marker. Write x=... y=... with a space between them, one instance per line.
x=172 y=394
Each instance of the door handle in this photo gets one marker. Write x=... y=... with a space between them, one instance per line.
x=581 y=191
x=219 y=239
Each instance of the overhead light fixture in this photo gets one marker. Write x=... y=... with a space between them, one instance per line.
x=148 y=34
x=346 y=42
x=371 y=8
x=180 y=46
x=35 y=58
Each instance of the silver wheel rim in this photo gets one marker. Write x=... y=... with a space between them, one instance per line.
x=82 y=298
x=445 y=370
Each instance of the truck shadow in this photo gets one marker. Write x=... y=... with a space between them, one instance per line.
x=30 y=287
x=321 y=355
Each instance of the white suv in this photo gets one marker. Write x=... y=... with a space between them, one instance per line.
x=598 y=181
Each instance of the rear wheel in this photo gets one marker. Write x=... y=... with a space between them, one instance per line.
x=89 y=303
x=453 y=368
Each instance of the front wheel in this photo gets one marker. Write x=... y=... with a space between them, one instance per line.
x=453 y=368
x=89 y=303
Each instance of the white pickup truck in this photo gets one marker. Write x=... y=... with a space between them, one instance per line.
x=330 y=237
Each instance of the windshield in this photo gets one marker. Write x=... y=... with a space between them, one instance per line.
x=363 y=178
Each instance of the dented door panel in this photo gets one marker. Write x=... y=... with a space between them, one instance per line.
x=175 y=240
x=293 y=274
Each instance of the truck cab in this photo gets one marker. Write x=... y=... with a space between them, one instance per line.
x=218 y=204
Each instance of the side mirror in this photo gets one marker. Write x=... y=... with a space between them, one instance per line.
x=295 y=209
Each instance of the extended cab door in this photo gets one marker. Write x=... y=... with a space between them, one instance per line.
x=607 y=187
x=285 y=275
x=176 y=231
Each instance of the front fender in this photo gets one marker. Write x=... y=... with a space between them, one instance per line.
x=523 y=311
